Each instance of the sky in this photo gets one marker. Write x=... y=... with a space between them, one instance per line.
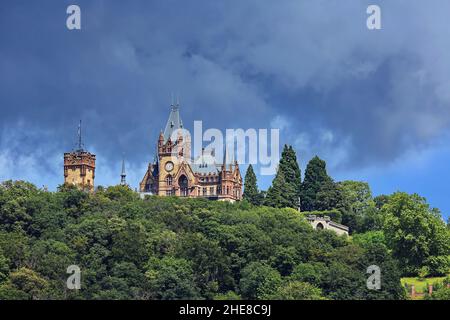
x=374 y=104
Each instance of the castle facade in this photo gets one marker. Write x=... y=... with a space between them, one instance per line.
x=175 y=173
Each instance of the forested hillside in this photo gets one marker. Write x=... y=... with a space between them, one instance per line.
x=172 y=248
x=180 y=248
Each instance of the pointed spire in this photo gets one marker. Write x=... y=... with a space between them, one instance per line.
x=225 y=158
x=123 y=176
x=174 y=122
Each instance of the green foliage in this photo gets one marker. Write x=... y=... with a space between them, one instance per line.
x=417 y=235
x=370 y=238
x=171 y=278
x=318 y=191
x=440 y=294
x=230 y=295
x=251 y=193
x=259 y=281
x=285 y=189
x=4 y=268
x=24 y=284
x=297 y=290
x=276 y=194
x=359 y=209
x=174 y=248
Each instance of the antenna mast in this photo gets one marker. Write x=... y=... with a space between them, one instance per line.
x=80 y=142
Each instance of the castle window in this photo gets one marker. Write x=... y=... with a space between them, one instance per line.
x=211 y=190
x=218 y=190
x=169 y=180
x=228 y=190
x=184 y=186
x=204 y=191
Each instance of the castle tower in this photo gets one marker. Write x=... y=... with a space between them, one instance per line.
x=79 y=166
x=175 y=173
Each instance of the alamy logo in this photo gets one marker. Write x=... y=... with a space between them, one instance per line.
x=252 y=146
x=73 y=21
x=374 y=280
x=74 y=280
x=374 y=20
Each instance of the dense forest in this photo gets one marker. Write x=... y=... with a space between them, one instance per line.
x=180 y=248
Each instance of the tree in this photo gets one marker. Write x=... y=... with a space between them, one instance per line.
x=297 y=290
x=285 y=189
x=381 y=200
x=251 y=193
x=318 y=191
x=440 y=291
x=291 y=170
x=275 y=196
x=24 y=284
x=313 y=273
x=259 y=281
x=4 y=268
x=171 y=279
x=416 y=234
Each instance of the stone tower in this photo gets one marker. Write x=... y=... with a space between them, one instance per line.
x=79 y=166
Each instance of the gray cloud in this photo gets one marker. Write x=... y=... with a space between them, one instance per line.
x=356 y=96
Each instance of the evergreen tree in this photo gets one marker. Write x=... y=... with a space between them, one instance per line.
x=285 y=189
x=251 y=193
x=318 y=191
x=291 y=170
x=275 y=197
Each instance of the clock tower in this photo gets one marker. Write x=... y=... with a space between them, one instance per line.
x=175 y=173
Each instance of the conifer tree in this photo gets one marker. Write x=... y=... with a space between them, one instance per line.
x=251 y=193
x=291 y=170
x=318 y=191
x=285 y=189
x=275 y=197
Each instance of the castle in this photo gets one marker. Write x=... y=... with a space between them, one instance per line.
x=175 y=173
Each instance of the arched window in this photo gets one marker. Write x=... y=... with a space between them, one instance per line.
x=319 y=226
x=169 y=180
x=184 y=185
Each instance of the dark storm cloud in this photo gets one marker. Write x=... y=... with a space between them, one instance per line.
x=360 y=97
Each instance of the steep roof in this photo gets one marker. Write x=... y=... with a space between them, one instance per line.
x=205 y=168
x=173 y=123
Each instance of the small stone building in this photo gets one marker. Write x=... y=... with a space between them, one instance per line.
x=325 y=223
